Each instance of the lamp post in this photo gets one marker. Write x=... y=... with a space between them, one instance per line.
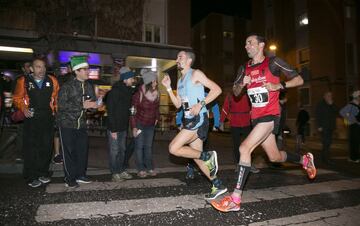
x=272 y=49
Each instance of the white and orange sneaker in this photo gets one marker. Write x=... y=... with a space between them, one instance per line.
x=309 y=165
x=226 y=204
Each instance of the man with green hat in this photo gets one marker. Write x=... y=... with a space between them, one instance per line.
x=76 y=96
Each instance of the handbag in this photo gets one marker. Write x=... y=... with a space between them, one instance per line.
x=17 y=116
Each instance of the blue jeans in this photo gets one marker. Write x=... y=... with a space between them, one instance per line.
x=117 y=149
x=143 y=148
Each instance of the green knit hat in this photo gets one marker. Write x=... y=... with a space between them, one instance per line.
x=78 y=62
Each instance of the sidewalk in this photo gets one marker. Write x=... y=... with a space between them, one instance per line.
x=221 y=142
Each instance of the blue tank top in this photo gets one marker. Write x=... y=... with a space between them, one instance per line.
x=190 y=94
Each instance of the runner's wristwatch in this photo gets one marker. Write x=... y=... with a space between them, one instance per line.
x=203 y=103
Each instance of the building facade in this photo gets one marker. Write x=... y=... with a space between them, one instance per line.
x=218 y=41
x=320 y=38
x=138 y=33
x=114 y=29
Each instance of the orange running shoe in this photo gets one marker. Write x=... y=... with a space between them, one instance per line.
x=227 y=204
x=309 y=166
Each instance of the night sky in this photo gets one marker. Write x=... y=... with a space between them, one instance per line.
x=201 y=8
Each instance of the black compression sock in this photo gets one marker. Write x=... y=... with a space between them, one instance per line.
x=244 y=170
x=204 y=155
x=293 y=157
x=216 y=182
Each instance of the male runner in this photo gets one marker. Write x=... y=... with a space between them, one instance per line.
x=188 y=143
x=261 y=77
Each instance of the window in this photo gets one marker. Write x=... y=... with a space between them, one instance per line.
x=304 y=56
x=305 y=72
x=157 y=38
x=303 y=20
x=228 y=34
x=148 y=33
x=153 y=33
x=304 y=96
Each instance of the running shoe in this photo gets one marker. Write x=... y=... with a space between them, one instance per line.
x=215 y=192
x=71 y=184
x=309 y=166
x=44 y=180
x=353 y=161
x=151 y=173
x=116 y=178
x=253 y=169
x=35 y=183
x=189 y=172
x=83 y=180
x=142 y=174
x=125 y=175
x=212 y=163
x=227 y=204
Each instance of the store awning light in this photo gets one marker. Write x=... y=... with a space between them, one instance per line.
x=16 y=49
x=153 y=64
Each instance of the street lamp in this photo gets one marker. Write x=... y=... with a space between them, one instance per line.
x=273 y=47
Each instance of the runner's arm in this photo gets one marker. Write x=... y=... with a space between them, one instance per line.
x=278 y=66
x=215 y=90
x=176 y=100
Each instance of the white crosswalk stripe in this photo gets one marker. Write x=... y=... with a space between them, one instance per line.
x=88 y=210
x=58 y=170
x=345 y=216
x=148 y=183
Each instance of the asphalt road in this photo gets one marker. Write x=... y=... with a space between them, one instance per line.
x=272 y=197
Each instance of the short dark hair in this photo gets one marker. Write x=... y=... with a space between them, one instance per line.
x=40 y=57
x=191 y=55
x=258 y=37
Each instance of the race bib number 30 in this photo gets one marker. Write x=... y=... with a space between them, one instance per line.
x=259 y=96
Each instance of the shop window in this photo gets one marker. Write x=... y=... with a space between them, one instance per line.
x=304 y=96
x=153 y=33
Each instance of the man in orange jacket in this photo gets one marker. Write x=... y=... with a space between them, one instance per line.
x=35 y=95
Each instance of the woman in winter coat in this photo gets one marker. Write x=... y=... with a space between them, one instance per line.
x=146 y=103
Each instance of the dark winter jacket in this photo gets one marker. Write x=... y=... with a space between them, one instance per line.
x=326 y=115
x=118 y=103
x=71 y=113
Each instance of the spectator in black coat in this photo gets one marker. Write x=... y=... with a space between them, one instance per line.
x=326 y=113
x=302 y=121
x=118 y=104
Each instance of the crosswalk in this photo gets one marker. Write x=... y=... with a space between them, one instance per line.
x=169 y=199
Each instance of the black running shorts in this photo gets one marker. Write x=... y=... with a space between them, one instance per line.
x=268 y=118
x=202 y=130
